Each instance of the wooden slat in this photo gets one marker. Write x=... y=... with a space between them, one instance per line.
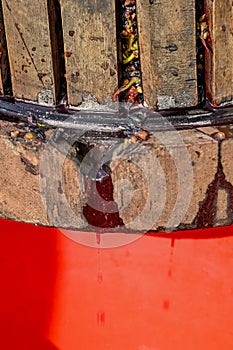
x=90 y=48
x=1 y=50
x=219 y=65
x=1 y=86
x=28 y=39
x=167 y=35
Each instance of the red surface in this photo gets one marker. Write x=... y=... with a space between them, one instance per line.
x=156 y=293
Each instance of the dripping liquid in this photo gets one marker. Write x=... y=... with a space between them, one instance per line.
x=208 y=208
x=100 y=211
x=171 y=257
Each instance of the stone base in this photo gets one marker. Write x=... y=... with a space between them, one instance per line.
x=171 y=181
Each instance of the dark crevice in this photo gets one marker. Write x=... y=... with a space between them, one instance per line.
x=200 y=55
x=129 y=68
x=4 y=59
x=57 y=46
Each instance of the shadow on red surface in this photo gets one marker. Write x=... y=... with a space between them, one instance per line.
x=28 y=265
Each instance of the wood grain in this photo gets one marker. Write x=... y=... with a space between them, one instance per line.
x=167 y=38
x=89 y=31
x=2 y=37
x=28 y=39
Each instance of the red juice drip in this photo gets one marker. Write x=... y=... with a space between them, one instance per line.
x=100 y=314
x=100 y=277
x=102 y=212
x=100 y=274
x=98 y=238
x=171 y=257
x=166 y=304
x=101 y=318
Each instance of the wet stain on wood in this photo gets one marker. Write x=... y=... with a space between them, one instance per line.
x=208 y=208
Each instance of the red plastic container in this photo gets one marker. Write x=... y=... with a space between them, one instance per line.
x=159 y=292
